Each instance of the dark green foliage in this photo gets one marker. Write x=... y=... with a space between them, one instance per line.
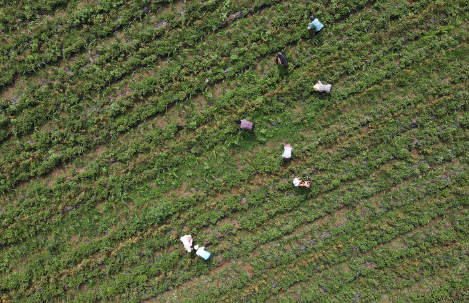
x=117 y=137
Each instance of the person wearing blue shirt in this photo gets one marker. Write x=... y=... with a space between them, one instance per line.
x=315 y=23
x=201 y=252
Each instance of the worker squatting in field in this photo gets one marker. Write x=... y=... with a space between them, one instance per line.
x=246 y=125
x=200 y=251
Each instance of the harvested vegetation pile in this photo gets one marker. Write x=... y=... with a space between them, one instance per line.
x=117 y=138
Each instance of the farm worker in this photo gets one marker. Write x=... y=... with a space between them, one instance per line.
x=322 y=88
x=287 y=151
x=201 y=252
x=298 y=182
x=187 y=241
x=282 y=59
x=315 y=23
x=246 y=125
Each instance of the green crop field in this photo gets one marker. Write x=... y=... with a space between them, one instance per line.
x=118 y=136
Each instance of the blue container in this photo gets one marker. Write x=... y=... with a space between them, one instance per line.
x=201 y=252
x=315 y=23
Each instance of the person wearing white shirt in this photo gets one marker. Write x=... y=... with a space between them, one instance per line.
x=187 y=241
x=300 y=183
x=287 y=151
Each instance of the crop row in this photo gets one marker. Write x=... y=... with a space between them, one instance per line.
x=253 y=204
x=405 y=172
x=12 y=14
x=245 y=246
x=123 y=123
x=336 y=246
x=61 y=37
x=103 y=192
x=125 y=120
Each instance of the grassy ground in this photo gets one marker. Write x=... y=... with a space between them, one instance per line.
x=117 y=138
